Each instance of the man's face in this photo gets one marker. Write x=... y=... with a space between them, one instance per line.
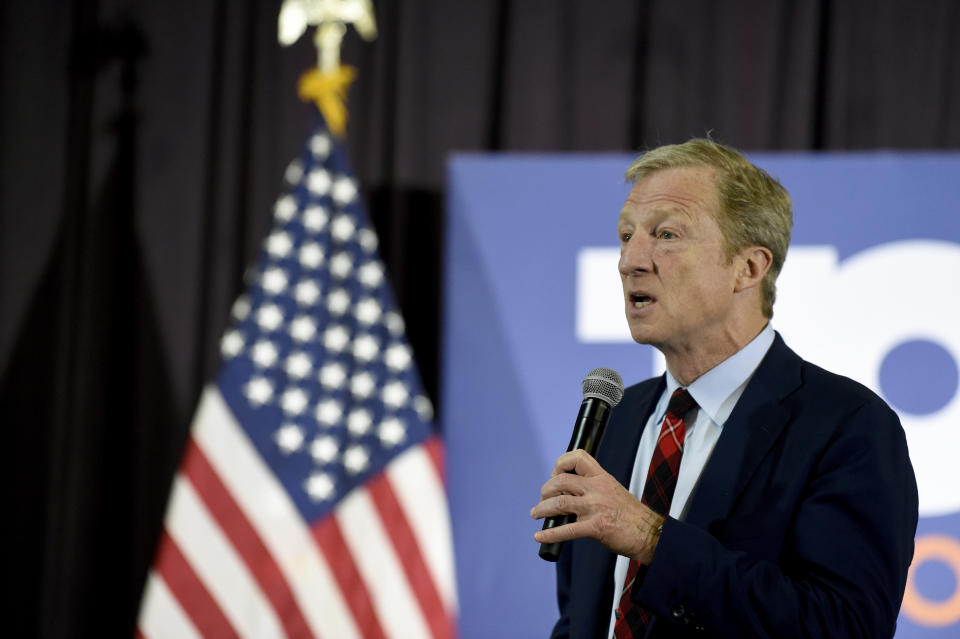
x=678 y=284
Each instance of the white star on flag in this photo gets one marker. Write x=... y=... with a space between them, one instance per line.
x=320 y=486
x=264 y=353
x=324 y=449
x=341 y=265
x=342 y=228
x=344 y=190
x=329 y=412
x=395 y=394
x=394 y=323
x=356 y=459
x=333 y=375
x=311 y=255
x=370 y=274
x=338 y=301
x=274 y=281
x=392 y=431
x=269 y=317
x=294 y=401
x=368 y=310
x=240 y=308
x=365 y=347
x=307 y=293
x=319 y=182
x=259 y=390
x=424 y=407
x=320 y=145
x=298 y=365
x=359 y=422
x=292 y=175
x=397 y=357
x=315 y=218
x=279 y=244
x=362 y=385
x=303 y=328
x=368 y=240
x=289 y=438
x=286 y=206
x=232 y=343
x=336 y=338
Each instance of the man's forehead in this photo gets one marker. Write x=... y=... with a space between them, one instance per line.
x=683 y=190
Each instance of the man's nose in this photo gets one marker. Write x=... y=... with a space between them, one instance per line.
x=636 y=255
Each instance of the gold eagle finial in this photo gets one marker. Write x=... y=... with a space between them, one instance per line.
x=327 y=84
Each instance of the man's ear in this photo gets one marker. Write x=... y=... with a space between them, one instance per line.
x=753 y=264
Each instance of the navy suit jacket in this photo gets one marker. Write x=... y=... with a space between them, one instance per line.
x=802 y=524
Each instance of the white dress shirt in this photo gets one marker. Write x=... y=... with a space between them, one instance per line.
x=716 y=393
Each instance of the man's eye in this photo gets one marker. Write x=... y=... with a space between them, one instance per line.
x=667 y=235
x=625 y=237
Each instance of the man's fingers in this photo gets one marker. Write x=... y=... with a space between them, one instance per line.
x=578 y=461
x=566 y=532
x=556 y=505
x=565 y=483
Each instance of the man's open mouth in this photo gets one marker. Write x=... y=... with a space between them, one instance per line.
x=640 y=300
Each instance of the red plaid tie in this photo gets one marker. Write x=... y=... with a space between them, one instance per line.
x=632 y=619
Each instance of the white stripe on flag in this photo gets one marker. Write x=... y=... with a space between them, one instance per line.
x=382 y=573
x=161 y=616
x=218 y=565
x=424 y=501
x=276 y=519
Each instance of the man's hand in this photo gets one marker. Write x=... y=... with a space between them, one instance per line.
x=605 y=510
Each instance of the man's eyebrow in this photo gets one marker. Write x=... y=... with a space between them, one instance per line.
x=674 y=210
x=660 y=213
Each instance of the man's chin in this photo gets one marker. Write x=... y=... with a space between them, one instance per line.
x=641 y=336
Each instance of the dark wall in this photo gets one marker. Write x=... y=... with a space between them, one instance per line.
x=142 y=145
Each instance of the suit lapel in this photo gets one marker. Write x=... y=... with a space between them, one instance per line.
x=626 y=426
x=748 y=434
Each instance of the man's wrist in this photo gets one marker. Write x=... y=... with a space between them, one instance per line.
x=650 y=529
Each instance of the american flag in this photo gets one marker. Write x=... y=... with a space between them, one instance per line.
x=310 y=500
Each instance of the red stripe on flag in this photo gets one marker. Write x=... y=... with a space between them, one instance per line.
x=437 y=454
x=329 y=537
x=245 y=540
x=407 y=549
x=190 y=592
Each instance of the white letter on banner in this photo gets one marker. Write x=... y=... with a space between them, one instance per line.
x=600 y=308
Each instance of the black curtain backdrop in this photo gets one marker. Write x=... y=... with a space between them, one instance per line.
x=142 y=145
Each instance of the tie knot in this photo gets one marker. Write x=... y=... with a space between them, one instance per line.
x=680 y=403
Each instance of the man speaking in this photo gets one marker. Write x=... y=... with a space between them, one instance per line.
x=746 y=492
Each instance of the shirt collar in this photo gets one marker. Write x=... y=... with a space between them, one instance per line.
x=712 y=389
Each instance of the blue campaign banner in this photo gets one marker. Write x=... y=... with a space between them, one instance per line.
x=532 y=303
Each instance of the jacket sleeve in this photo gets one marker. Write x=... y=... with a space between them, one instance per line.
x=841 y=567
x=561 y=629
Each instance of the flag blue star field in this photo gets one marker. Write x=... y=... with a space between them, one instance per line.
x=310 y=501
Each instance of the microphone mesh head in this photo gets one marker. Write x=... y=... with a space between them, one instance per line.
x=604 y=384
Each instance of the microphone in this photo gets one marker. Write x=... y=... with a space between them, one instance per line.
x=602 y=390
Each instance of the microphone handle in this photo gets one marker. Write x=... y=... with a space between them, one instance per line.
x=587 y=431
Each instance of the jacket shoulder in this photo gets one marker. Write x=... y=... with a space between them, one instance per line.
x=842 y=394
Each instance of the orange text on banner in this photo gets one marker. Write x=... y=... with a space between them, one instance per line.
x=918 y=608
